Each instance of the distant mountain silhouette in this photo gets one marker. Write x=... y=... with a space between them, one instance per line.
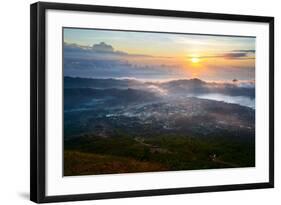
x=193 y=86
x=197 y=86
x=74 y=97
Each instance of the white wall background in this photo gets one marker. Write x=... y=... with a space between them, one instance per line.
x=14 y=101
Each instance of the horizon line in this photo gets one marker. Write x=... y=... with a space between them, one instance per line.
x=233 y=81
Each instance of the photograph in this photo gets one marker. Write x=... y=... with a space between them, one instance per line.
x=147 y=101
x=136 y=102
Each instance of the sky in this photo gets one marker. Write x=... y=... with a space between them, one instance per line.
x=157 y=56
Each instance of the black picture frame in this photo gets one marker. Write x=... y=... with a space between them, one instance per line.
x=38 y=100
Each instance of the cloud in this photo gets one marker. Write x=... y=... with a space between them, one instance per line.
x=102 y=60
x=157 y=89
x=102 y=47
x=245 y=51
x=234 y=55
x=72 y=47
x=240 y=54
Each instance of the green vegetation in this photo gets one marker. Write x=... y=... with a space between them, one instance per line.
x=79 y=163
x=89 y=154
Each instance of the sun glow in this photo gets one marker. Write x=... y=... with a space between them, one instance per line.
x=195 y=59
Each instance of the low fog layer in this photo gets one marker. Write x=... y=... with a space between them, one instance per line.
x=242 y=93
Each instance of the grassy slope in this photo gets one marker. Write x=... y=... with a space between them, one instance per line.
x=121 y=154
x=79 y=163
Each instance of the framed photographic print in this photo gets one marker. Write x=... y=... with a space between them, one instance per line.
x=129 y=102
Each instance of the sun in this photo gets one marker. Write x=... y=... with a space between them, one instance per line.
x=195 y=59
